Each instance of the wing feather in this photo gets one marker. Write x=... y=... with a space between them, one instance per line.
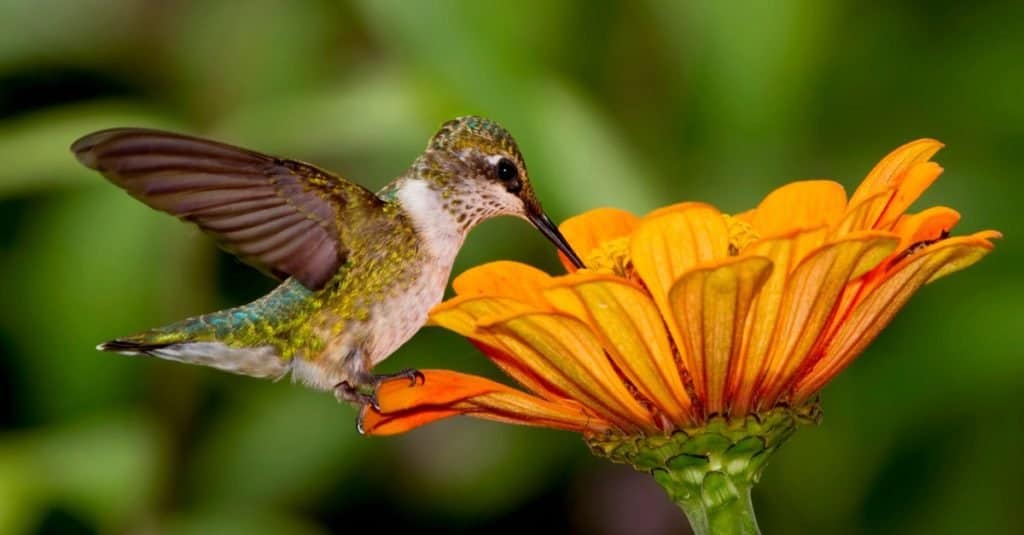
x=283 y=216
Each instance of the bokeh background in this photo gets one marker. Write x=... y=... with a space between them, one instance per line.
x=631 y=105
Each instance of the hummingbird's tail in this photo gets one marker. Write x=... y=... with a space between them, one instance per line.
x=193 y=341
x=215 y=339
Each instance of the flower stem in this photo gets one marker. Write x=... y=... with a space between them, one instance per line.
x=709 y=470
x=720 y=506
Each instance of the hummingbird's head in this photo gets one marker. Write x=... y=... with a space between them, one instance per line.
x=479 y=166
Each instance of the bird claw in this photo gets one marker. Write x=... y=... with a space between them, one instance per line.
x=345 y=391
x=365 y=394
x=413 y=375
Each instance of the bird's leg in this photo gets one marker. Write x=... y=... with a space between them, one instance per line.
x=363 y=390
x=360 y=386
x=360 y=392
x=365 y=393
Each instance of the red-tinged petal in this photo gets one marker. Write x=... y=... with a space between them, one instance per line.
x=578 y=363
x=915 y=231
x=445 y=393
x=785 y=253
x=589 y=230
x=672 y=241
x=465 y=313
x=800 y=205
x=710 y=306
x=917 y=179
x=629 y=325
x=889 y=172
x=925 y=226
x=877 y=309
x=809 y=300
x=504 y=279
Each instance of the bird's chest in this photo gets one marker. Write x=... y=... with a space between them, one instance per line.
x=398 y=317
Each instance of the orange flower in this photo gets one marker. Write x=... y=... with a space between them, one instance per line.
x=686 y=314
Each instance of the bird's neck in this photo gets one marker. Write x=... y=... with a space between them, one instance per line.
x=435 y=214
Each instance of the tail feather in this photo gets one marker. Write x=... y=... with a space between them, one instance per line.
x=181 y=342
x=209 y=339
x=127 y=346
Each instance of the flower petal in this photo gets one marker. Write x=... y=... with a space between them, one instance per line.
x=747 y=216
x=917 y=179
x=981 y=239
x=710 y=305
x=445 y=393
x=589 y=230
x=628 y=324
x=810 y=297
x=463 y=314
x=672 y=241
x=578 y=362
x=924 y=226
x=800 y=205
x=864 y=214
x=504 y=279
x=785 y=252
x=891 y=171
x=874 y=312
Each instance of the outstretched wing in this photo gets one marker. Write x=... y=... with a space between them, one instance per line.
x=281 y=216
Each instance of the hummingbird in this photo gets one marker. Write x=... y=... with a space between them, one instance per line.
x=359 y=270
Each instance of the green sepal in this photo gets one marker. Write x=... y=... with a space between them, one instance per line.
x=709 y=470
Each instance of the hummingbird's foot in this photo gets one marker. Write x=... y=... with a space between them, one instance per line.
x=414 y=376
x=360 y=394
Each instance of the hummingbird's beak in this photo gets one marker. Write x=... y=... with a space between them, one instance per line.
x=551 y=232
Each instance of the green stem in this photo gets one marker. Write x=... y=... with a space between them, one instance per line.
x=709 y=470
x=720 y=505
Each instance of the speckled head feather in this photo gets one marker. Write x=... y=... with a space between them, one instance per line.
x=475 y=132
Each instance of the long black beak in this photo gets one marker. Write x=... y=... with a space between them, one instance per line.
x=550 y=231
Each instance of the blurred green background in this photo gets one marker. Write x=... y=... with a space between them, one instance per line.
x=632 y=105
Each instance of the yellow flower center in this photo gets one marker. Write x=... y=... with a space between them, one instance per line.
x=741 y=234
x=611 y=256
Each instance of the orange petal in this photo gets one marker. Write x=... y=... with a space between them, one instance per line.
x=577 y=361
x=864 y=214
x=809 y=299
x=589 y=230
x=463 y=314
x=747 y=216
x=889 y=172
x=710 y=306
x=917 y=179
x=672 y=241
x=504 y=279
x=914 y=230
x=677 y=207
x=800 y=205
x=445 y=393
x=785 y=253
x=981 y=239
x=926 y=225
x=628 y=324
x=875 y=311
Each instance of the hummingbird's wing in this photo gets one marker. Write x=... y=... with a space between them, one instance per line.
x=282 y=216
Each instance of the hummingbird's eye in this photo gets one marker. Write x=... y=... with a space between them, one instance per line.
x=507 y=170
x=509 y=174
